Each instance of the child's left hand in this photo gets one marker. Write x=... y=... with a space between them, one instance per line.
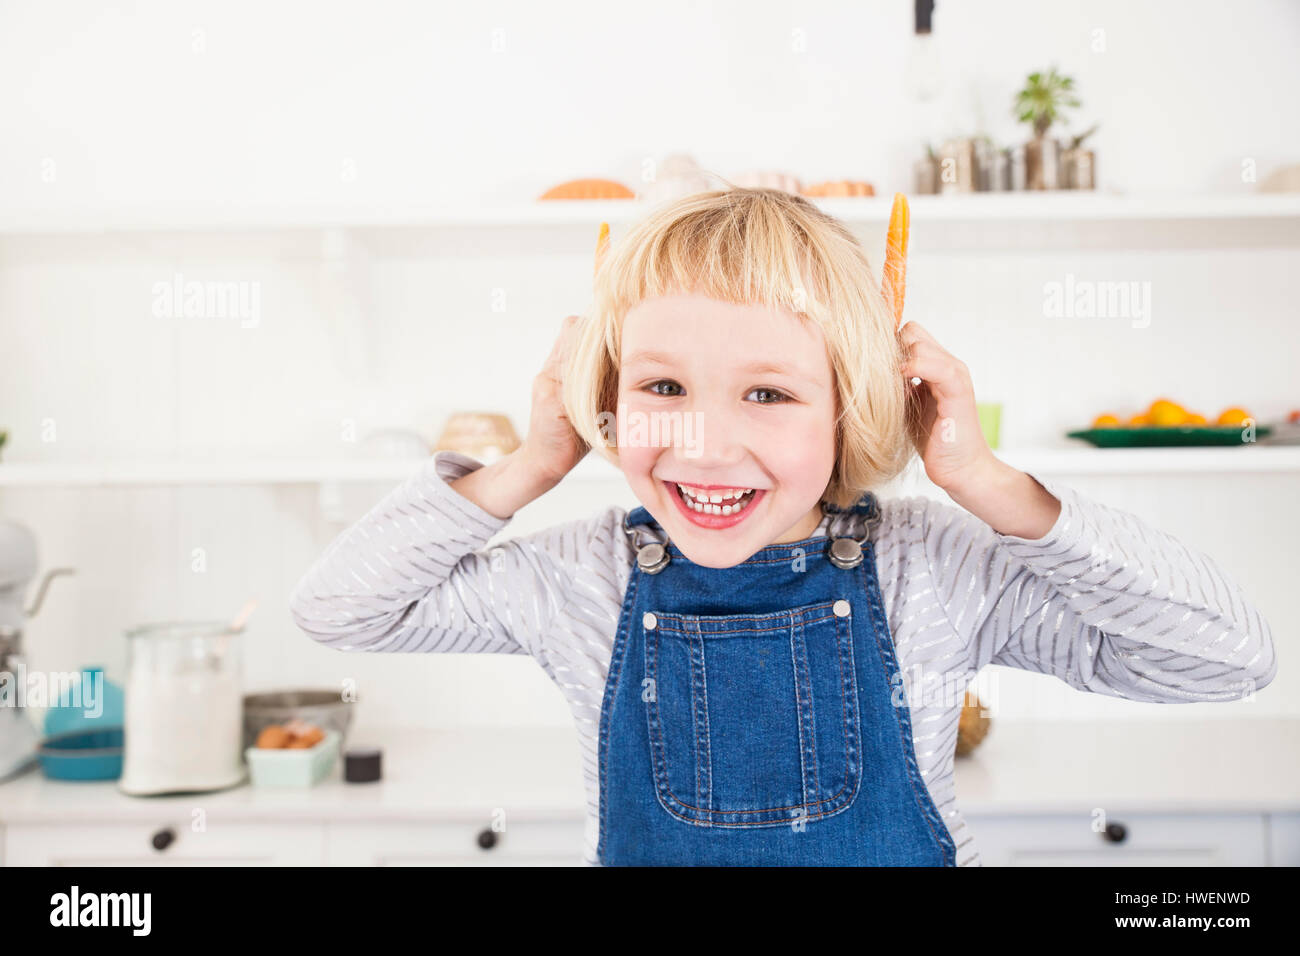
x=944 y=424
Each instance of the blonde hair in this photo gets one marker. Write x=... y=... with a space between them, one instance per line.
x=757 y=247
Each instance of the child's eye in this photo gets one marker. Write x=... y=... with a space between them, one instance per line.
x=773 y=396
x=668 y=383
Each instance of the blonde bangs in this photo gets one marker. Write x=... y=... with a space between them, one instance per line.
x=768 y=248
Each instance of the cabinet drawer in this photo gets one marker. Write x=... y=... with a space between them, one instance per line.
x=1145 y=840
x=136 y=844
x=518 y=843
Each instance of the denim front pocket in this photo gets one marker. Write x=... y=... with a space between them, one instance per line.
x=753 y=718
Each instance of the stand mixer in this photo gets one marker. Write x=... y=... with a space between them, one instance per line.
x=18 y=738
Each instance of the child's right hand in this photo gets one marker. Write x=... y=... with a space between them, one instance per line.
x=552 y=447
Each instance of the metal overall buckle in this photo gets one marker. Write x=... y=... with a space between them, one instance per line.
x=651 y=557
x=846 y=552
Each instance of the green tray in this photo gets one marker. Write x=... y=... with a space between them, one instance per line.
x=293 y=768
x=1135 y=436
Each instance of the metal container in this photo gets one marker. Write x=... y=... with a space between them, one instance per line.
x=925 y=176
x=1018 y=172
x=994 y=167
x=1079 y=168
x=1043 y=163
x=983 y=159
x=958 y=168
x=997 y=172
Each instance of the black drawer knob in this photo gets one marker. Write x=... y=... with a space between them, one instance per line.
x=163 y=838
x=1116 y=832
x=487 y=838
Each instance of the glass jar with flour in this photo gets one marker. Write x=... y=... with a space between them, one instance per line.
x=184 y=709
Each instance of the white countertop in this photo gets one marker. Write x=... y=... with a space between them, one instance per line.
x=1216 y=766
x=1171 y=765
x=445 y=774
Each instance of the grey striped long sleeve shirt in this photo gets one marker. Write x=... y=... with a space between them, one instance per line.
x=1103 y=601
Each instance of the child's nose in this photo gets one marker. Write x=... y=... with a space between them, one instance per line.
x=711 y=436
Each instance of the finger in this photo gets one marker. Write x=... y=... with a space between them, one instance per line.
x=915 y=332
x=948 y=378
x=920 y=342
x=925 y=350
x=562 y=340
x=909 y=340
x=560 y=349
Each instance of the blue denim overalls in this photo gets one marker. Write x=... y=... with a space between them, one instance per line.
x=748 y=715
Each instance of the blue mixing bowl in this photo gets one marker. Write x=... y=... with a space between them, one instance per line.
x=83 y=755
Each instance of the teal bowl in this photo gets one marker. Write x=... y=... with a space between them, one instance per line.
x=83 y=755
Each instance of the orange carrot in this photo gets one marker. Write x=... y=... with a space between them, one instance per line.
x=894 y=275
x=602 y=244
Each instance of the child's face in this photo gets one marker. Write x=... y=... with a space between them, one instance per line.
x=749 y=392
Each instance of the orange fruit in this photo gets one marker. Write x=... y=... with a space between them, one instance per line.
x=1106 y=420
x=1233 y=416
x=1195 y=418
x=1164 y=413
x=589 y=189
x=1140 y=420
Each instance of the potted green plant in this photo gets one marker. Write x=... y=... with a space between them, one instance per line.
x=1042 y=102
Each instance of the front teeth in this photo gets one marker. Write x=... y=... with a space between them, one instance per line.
x=711 y=502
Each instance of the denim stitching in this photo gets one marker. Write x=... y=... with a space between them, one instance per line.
x=688 y=623
x=803 y=710
x=850 y=705
x=852 y=730
x=700 y=713
x=613 y=678
x=903 y=720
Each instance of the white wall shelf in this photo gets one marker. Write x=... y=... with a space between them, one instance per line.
x=1023 y=207
x=1045 y=461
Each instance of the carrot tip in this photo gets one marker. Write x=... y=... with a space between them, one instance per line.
x=894 y=274
x=602 y=243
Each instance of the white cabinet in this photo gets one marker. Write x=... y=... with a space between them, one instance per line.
x=441 y=800
x=517 y=843
x=1284 y=839
x=1146 y=839
x=405 y=843
x=168 y=843
x=1135 y=839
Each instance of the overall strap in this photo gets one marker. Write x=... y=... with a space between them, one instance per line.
x=856 y=521
x=649 y=540
x=849 y=530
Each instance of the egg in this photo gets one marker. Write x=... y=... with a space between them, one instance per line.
x=273 y=737
x=310 y=738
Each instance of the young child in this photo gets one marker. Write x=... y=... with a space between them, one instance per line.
x=733 y=651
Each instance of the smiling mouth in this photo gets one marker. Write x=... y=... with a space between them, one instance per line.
x=714 y=507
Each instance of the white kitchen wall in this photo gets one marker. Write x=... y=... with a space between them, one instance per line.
x=271 y=110
x=264 y=105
